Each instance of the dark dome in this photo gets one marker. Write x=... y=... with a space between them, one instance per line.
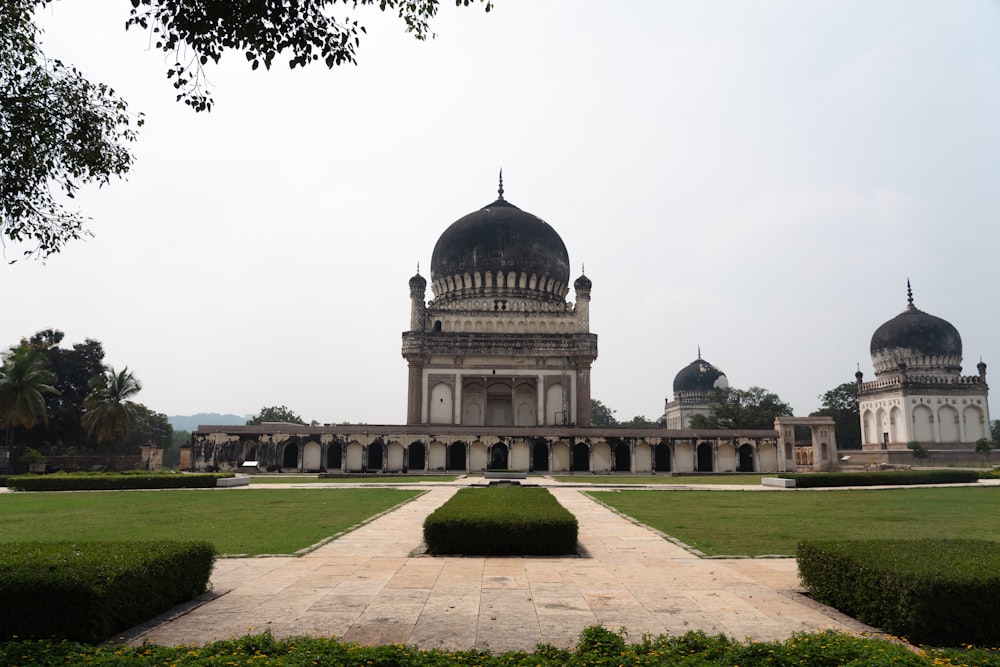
x=418 y=282
x=582 y=283
x=700 y=375
x=501 y=239
x=914 y=333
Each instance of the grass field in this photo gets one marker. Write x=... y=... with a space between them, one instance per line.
x=758 y=523
x=682 y=480
x=360 y=479
x=244 y=521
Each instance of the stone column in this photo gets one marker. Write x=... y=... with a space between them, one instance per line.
x=541 y=397
x=583 y=393
x=415 y=392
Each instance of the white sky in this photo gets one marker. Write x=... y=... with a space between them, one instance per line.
x=757 y=178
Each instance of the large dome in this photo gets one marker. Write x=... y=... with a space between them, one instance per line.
x=500 y=249
x=923 y=342
x=699 y=376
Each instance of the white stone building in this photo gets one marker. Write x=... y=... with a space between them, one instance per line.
x=919 y=393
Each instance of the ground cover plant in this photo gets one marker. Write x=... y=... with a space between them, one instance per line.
x=229 y=519
x=501 y=521
x=597 y=647
x=113 y=481
x=882 y=478
x=87 y=591
x=932 y=591
x=754 y=523
x=665 y=479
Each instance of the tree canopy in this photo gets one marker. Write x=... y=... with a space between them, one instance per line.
x=60 y=131
x=111 y=413
x=601 y=415
x=753 y=408
x=841 y=403
x=276 y=413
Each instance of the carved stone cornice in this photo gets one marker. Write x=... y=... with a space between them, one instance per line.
x=574 y=345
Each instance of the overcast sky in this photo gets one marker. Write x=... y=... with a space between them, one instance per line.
x=757 y=178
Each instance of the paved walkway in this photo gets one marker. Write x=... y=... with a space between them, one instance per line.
x=368 y=587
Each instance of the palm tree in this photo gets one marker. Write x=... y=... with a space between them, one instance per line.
x=109 y=414
x=24 y=381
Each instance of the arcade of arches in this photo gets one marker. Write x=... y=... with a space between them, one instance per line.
x=350 y=449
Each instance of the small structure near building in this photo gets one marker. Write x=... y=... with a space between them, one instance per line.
x=819 y=453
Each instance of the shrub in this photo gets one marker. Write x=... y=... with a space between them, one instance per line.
x=501 y=521
x=112 y=481
x=87 y=591
x=881 y=478
x=940 y=592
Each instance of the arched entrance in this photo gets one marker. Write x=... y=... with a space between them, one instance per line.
x=312 y=457
x=376 y=455
x=290 y=457
x=661 y=458
x=334 y=456
x=705 y=457
x=747 y=458
x=499 y=457
x=540 y=456
x=581 y=458
x=416 y=456
x=623 y=458
x=456 y=456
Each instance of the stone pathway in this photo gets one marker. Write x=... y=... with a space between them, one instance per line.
x=368 y=587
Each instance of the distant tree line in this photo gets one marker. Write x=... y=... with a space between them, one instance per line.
x=67 y=401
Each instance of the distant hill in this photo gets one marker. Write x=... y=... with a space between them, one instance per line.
x=191 y=422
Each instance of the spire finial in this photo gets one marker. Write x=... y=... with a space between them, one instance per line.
x=418 y=268
x=583 y=269
x=500 y=189
x=699 y=352
x=909 y=294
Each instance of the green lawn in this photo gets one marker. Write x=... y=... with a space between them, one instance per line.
x=236 y=521
x=360 y=479
x=683 y=480
x=755 y=523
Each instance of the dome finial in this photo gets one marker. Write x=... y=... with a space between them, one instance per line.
x=500 y=189
x=699 y=352
x=909 y=295
x=418 y=268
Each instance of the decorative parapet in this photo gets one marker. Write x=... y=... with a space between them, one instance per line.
x=916 y=380
x=418 y=343
x=515 y=303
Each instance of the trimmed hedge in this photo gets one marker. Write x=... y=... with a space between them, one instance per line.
x=501 y=521
x=113 y=482
x=939 y=592
x=87 y=591
x=881 y=478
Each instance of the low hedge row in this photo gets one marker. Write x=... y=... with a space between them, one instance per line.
x=112 y=482
x=938 y=592
x=881 y=478
x=87 y=591
x=501 y=521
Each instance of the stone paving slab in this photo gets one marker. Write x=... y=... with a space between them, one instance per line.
x=372 y=586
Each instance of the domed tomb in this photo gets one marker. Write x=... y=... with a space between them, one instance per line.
x=499 y=344
x=920 y=341
x=500 y=250
x=699 y=376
